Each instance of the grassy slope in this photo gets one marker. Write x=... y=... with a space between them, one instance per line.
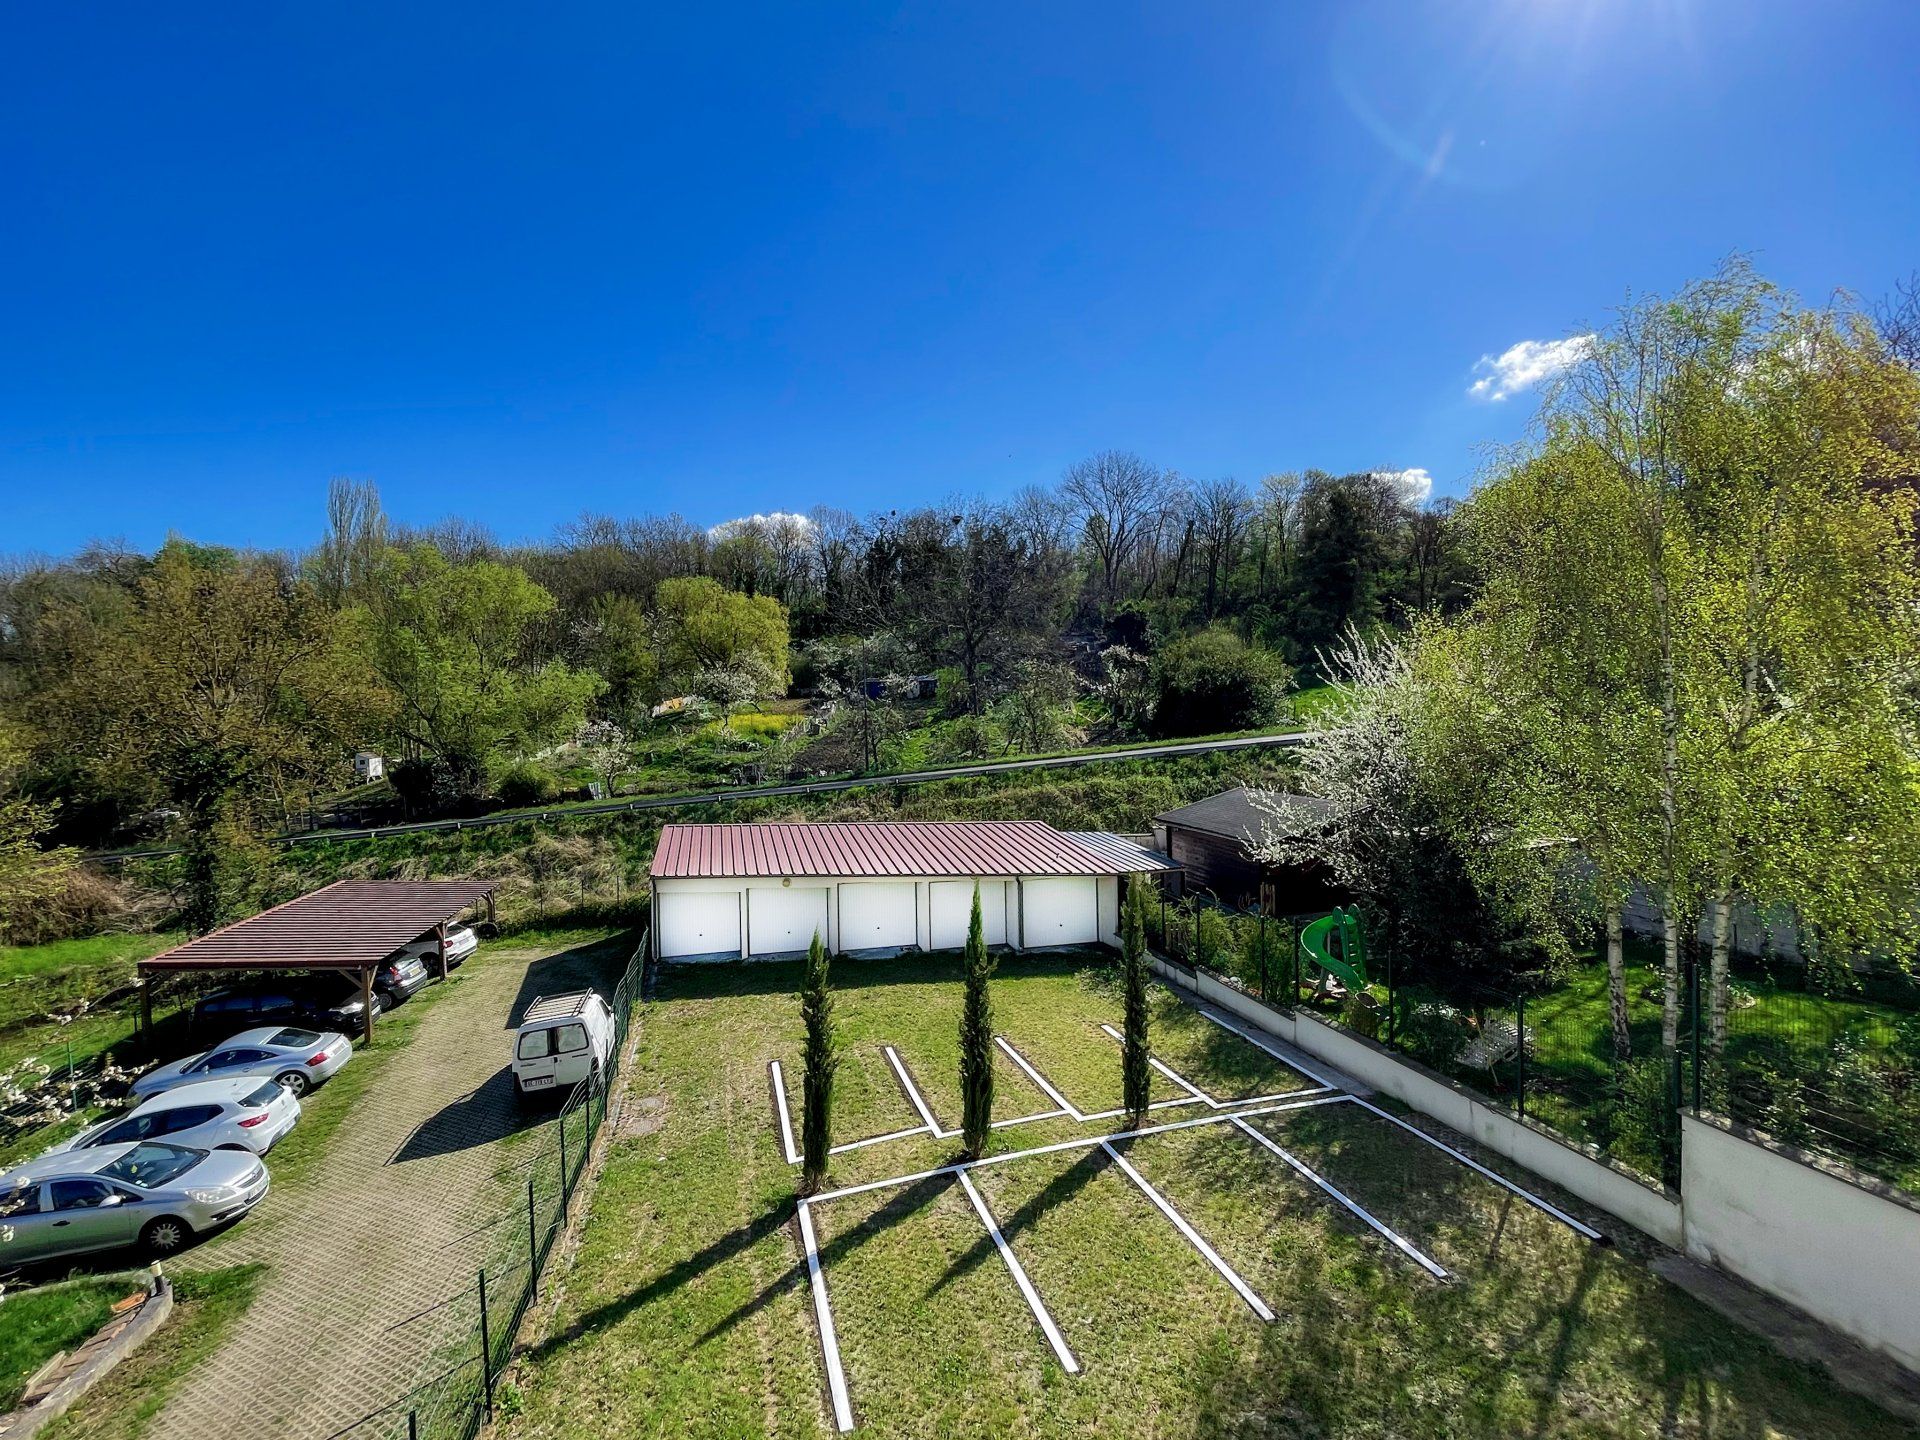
x=122 y=1405
x=687 y=1311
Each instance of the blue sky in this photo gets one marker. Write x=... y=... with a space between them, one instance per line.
x=519 y=262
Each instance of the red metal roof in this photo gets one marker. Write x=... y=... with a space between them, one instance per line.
x=347 y=925
x=858 y=849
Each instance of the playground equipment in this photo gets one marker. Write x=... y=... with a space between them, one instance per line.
x=1334 y=943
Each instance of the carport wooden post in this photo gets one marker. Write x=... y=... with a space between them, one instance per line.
x=146 y=1012
x=440 y=946
x=366 y=999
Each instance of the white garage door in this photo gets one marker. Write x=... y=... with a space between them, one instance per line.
x=699 y=923
x=779 y=919
x=1061 y=910
x=953 y=908
x=878 y=913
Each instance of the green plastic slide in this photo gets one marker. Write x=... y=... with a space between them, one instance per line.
x=1347 y=961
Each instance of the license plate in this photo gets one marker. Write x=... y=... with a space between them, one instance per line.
x=537 y=1082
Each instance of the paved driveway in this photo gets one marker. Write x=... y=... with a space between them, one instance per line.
x=393 y=1219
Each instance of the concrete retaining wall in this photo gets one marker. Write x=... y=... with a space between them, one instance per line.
x=1839 y=1245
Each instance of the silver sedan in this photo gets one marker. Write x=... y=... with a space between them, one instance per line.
x=152 y=1194
x=294 y=1058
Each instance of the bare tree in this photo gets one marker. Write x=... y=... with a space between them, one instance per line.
x=1117 y=496
x=1222 y=511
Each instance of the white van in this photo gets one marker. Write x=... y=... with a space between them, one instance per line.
x=563 y=1040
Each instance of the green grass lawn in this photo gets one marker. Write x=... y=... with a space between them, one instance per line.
x=687 y=1310
x=37 y=1324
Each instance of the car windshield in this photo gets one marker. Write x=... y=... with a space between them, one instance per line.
x=294 y=1039
x=150 y=1164
x=265 y=1095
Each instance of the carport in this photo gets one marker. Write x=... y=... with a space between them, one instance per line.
x=348 y=927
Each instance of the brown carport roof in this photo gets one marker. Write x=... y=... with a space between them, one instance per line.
x=347 y=925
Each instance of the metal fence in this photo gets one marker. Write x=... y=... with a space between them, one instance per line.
x=1824 y=1058
x=473 y=1327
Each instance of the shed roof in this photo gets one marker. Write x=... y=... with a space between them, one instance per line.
x=1232 y=815
x=858 y=849
x=347 y=925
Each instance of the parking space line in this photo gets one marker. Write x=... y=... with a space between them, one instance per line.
x=780 y=1109
x=1259 y=1044
x=1034 y=1075
x=932 y=1125
x=1393 y=1237
x=829 y=1342
x=1028 y=1119
x=1527 y=1195
x=1194 y=1090
x=1207 y=1252
x=1047 y=1327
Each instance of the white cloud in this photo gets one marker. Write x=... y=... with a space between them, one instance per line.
x=1522 y=366
x=1414 y=485
x=772 y=520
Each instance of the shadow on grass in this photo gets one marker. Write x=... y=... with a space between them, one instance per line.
x=1058 y=1191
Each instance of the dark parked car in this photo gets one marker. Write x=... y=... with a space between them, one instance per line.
x=326 y=1004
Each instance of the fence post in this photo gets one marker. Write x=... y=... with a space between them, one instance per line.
x=1520 y=1017
x=486 y=1347
x=1391 y=1007
x=1263 y=955
x=563 y=1166
x=533 y=1243
x=413 y=1425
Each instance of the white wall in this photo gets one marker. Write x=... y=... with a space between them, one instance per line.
x=1594 y=1179
x=1807 y=1232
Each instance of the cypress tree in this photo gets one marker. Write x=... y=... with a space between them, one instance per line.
x=821 y=1060
x=1134 y=1076
x=976 y=1039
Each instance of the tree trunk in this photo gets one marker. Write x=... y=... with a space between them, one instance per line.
x=1670 y=974
x=1617 y=987
x=1721 y=911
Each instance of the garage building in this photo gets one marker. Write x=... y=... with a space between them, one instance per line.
x=724 y=892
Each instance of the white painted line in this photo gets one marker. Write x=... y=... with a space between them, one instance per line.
x=1029 y=1119
x=1392 y=1237
x=1087 y=1143
x=1156 y=1105
x=1253 y=1039
x=1038 y=1079
x=877 y=1140
x=1194 y=1090
x=780 y=1109
x=829 y=1343
x=913 y=1094
x=1047 y=1327
x=1527 y=1195
x=1207 y=1252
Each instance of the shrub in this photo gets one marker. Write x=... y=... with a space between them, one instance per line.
x=1215 y=681
x=526 y=782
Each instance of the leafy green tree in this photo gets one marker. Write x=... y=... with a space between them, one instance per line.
x=819 y=1062
x=705 y=626
x=1135 y=1077
x=225 y=692
x=29 y=873
x=1215 y=681
x=450 y=642
x=976 y=1038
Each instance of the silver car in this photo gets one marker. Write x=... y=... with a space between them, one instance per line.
x=298 y=1059
x=152 y=1194
x=244 y=1114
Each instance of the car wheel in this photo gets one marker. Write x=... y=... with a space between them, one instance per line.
x=164 y=1236
x=293 y=1082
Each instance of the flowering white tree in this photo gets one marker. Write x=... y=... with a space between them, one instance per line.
x=605 y=747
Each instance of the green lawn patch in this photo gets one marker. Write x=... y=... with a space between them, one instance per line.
x=37 y=1324
x=687 y=1310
